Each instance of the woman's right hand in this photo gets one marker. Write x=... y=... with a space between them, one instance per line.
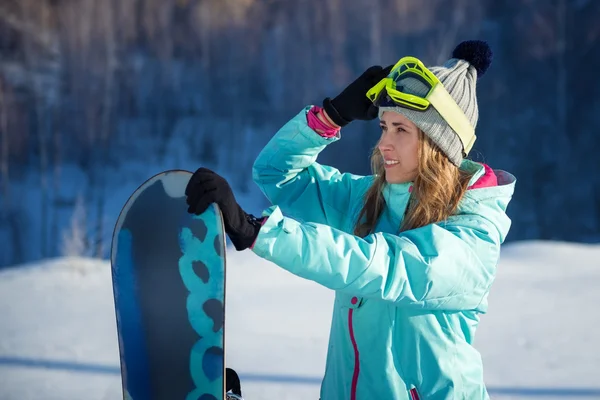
x=352 y=103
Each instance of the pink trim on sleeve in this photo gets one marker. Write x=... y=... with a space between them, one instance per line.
x=316 y=124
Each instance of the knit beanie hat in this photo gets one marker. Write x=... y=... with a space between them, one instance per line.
x=470 y=60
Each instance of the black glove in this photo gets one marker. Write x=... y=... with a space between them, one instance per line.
x=206 y=187
x=353 y=103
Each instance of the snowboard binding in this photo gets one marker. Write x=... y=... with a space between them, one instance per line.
x=232 y=384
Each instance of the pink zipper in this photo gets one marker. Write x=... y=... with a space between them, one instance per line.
x=414 y=395
x=356 y=364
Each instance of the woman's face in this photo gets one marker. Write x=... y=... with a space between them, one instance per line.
x=398 y=145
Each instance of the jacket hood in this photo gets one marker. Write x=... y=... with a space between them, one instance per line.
x=488 y=201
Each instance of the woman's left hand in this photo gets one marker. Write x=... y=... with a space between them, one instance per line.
x=206 y=187
x=352 y=103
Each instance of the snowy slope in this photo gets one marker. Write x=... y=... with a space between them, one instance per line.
x=539 y=340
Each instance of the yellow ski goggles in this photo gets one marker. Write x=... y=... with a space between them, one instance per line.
x=389 y=93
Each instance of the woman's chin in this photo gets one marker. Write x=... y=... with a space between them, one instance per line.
x=392 y=178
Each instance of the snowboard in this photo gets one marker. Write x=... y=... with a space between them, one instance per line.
x=168 y=275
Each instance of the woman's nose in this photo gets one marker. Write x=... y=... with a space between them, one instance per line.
x=384 y=143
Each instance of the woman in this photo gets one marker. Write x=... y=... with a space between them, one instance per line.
x=411 y=251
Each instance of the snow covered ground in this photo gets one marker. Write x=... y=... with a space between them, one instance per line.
x=539 y=340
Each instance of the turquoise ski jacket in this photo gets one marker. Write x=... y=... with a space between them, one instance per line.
x=406 y=304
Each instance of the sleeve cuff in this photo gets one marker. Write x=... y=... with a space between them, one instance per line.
x=273 y=225
x=308 y=133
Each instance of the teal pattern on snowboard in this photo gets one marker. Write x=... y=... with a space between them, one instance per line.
x=168 y=271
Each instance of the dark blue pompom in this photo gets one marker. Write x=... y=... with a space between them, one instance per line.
x=475 y=52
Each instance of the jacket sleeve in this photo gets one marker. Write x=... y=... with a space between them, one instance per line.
x=287 y=173
x=448 y=267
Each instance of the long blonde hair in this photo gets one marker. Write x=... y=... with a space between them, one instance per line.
x=437 y=190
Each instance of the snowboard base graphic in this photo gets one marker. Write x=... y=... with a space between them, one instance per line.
x=168 y=272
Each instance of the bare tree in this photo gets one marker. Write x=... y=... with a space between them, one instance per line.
x=38 y=14
x=4 y=148
x=561 y=81
x=15 y=14
x=336 y=33
x=375 y=30
x=109 y=93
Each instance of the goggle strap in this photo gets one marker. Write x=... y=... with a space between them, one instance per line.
x=445 y=105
